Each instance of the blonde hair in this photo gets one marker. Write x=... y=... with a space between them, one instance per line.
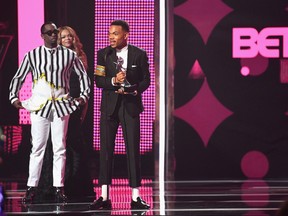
x=77 y=46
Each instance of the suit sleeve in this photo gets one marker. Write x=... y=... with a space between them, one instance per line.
x=145 y=78
x=102 y=78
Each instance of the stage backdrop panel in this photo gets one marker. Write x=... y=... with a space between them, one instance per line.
x=231 y=89
x=140 y=16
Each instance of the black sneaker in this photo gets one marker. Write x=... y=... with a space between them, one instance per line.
x=29 y=195
x=139 y=204
x=100 y=204
x=60 y=197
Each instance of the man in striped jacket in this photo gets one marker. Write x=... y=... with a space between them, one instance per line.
x=50 y=104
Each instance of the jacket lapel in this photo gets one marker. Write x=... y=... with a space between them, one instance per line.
x=130 y=57
x=111 y=62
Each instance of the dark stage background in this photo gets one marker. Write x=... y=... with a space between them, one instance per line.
x=229 y=124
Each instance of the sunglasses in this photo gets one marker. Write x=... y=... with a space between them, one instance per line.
x=49 y=33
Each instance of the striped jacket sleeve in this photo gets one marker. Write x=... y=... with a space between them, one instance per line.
x=19 y=78
x=83 y=79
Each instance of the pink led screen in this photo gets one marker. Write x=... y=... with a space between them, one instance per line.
x=25 y=18
x=140 y=16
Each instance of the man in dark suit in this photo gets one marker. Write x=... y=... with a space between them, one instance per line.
x=123 y=74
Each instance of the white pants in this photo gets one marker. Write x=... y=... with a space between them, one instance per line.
x=40 y=128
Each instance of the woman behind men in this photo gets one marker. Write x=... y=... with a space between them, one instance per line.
x=77 y=179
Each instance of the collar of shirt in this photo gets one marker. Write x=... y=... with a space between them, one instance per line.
x=124 y=49
x=51 y=50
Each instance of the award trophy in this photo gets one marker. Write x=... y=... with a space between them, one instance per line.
x=126 y=86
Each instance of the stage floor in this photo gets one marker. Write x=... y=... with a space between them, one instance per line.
x=198 y=198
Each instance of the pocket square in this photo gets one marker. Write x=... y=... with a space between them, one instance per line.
x=133 y=66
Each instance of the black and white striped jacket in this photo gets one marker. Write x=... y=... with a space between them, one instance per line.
x=55 y=66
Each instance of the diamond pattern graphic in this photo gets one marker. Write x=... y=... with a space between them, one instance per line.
x=203 y=14
x=203 y=112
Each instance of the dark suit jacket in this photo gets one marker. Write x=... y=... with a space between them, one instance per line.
x=137 y=73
